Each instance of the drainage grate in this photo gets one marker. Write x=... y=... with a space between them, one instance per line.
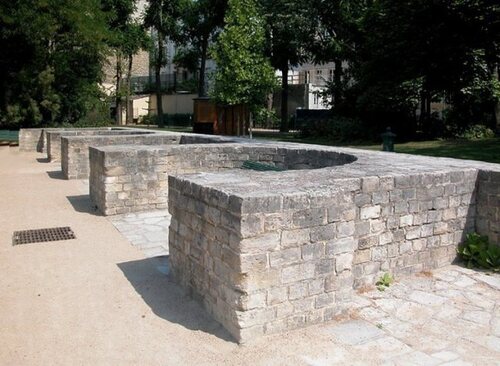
x=42 y=235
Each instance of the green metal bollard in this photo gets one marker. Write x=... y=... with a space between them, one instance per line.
x=388 y=138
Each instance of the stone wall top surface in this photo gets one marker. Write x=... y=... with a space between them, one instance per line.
x=405 y=167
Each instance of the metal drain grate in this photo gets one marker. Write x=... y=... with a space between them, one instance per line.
x=42 y=235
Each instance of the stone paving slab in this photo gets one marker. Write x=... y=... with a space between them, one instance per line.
x=147 y=231
x=430 y=319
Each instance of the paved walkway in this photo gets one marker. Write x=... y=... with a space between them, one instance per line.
x=147 y=231
x=98 y=300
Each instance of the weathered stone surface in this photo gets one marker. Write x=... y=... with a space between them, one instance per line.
x=269 y=251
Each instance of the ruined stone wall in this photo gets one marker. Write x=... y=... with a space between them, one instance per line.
x=53 y=137
x=276 y=261
x=135 y=178
x=35 y=139
x=31 y=139
x=75 y=149
x=488 y=205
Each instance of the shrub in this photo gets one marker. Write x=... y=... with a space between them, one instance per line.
x=477 y=132
x=177 y=119
x=337 y=128
x=476 y=251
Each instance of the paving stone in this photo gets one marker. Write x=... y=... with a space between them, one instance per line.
x=385 y=348
x=148 y=231
x=355 y=332
x=493 y=281
x=445 y=355
x=426 y=298
x=464 y=281
x=415 y=358
x=477 y=317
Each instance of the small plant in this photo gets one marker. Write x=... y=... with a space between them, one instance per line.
x=476 y=251
x=384 y=281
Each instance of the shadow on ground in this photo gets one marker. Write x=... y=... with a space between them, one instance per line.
x=43 y=160
x=166 y=299
x=56 y=174
x=82 y=203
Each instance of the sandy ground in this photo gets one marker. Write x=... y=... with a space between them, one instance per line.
x=98 y=300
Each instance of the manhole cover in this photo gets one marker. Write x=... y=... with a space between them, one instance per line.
x=42 y=235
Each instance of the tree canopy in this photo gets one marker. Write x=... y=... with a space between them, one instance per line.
x=244 y=74
x=51 y=60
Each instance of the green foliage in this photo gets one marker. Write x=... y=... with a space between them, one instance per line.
x=265 y=118
x=244 y=75
x=476 y=251
x=402 y=56
x=51 y=60
x=384 y=281
x=201 y=23
x=337 y=128
x=175 y=119
x=477 y=132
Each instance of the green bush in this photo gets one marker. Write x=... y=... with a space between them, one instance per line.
x=477 y=132
x=177 y=119
x=337 y=128
x=476 y=251
x=264 y=118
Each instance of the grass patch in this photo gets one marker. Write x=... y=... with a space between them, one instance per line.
x=484 y=150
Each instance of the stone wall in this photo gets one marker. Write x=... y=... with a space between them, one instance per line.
x=488 y=207
x=271 y=261
x=31 y=139
x=135 y=178
x=75 y=149
x=53 y=137
x=35 y=139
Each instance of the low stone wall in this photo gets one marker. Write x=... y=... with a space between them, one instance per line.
x=35 y=139
x=31 y=139
x=75 y=149
x=488 y=208
x=53 y=138
x=135 y=178
x=267 y=252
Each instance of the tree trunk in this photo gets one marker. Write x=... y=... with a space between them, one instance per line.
x=425 y=110
x=337 y=83
x=158 y=64
x=201 y=78
x=128 y=112
x=284 y=99
x=269 y=121
x=118 y=98
x=496 y=74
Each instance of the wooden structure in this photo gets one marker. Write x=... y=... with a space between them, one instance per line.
x=220 y=120
x=204 y=116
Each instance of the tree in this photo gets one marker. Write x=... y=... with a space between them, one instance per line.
x=51 y=60
x=435 y=49
x=136 y=39
x=119 y=19
x=202 y=20
x=163 y=17
x=336 y=37
x=290 y=28
x=244 y=74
